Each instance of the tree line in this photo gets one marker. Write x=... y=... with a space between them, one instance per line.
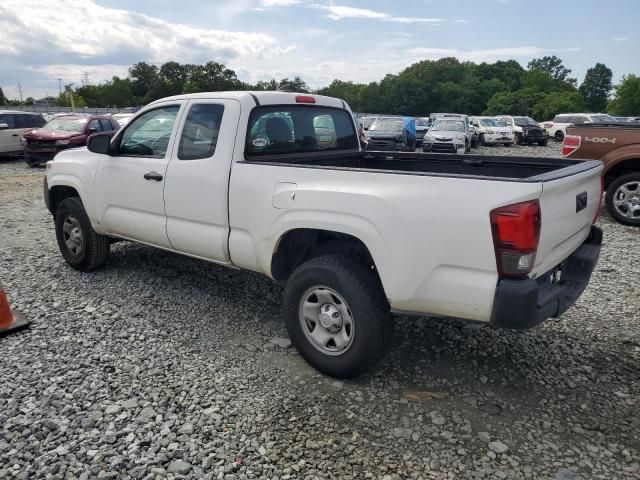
x=541 y=90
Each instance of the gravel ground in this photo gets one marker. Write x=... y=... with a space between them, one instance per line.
x=160 y=366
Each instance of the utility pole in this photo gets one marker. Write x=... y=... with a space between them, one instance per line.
x=59 y=86
x=85 y=79
x=20 y=91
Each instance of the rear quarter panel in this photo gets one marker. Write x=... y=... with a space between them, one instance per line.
x=430 y=237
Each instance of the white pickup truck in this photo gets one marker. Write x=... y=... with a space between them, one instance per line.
x=277 y=183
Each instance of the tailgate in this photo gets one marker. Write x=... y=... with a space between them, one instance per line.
x=568 y=206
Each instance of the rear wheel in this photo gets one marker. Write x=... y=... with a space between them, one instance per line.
x=543 y=143
x=80 y=246
x=623 y=199
x=559 y=136
x=337 y=316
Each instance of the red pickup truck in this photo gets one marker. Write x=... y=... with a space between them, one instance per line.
x=618 y=146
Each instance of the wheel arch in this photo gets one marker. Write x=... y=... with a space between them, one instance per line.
x=621 y=166
x=298 y=245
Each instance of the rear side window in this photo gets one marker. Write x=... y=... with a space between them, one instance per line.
x=200 y=132
x=29 y=121
x=9 y=119
x=299 y=129
x=562 y=119
x=105 y=123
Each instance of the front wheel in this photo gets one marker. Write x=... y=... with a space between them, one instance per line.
x=559 y=136
x=481 y=140
x=623 y=199
x=507 y=144
x=518 y=139
x=337 y=315
x=80 y=246
x=543 y=143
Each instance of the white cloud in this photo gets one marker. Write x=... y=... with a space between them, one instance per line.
x=278 y=3
x=340 y=12
x=621 y=39
x=462 y=20
x=484 y=54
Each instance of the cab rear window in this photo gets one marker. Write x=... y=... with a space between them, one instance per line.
x=299 y=129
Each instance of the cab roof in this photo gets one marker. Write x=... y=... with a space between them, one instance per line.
x=256 y=98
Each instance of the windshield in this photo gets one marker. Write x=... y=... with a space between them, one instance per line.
x=448 y=125
x=388 y=125
x=490 y=122
x=70 y=124
x=602 y=118
x=525 y=122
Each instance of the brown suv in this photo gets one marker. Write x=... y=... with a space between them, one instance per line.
x=618 y=146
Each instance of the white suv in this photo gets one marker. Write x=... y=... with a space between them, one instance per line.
x=560 y=123
x=12 y=125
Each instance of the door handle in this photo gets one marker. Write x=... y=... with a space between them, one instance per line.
x=153 y=176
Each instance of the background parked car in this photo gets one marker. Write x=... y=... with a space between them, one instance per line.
x=13 y=125
x=422 y=126
x=62 y=132
x=392 y=133
x=492 y=132
x=448 y=135
x=122 y=118
x=562 y=121
x=526 y=129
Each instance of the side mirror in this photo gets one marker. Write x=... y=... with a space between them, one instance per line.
x=99 y=143
x=4 y=126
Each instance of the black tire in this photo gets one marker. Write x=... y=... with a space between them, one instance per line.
x=467 y=147
x=365 y=301
x=94 y=249
x=543 y=143
x=559 y=136
x=507 y=144
x=609 y=198
x=481 y=140
x=518 y=138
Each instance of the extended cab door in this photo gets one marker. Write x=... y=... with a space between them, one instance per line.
x=197 y=186
x=129 y=186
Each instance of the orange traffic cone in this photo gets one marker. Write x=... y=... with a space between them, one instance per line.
x=9 y=321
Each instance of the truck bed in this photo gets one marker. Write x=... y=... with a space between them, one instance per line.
x=520 y=169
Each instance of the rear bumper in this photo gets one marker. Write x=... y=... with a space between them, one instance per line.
x=522 y=304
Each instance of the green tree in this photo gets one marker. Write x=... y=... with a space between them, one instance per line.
x=263 y=85
x=143 y=78
x=626 y=97
x=212 y=77
x=29 y=101
x=297 y=84
x=554 y=67
x=520 y=102
x=3 y=100
x=558 y=102
x=62 y=100
x=596 y=87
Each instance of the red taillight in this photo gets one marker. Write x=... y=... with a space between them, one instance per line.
x=570 y=144
x=597 y=215
x=305 y=99
x=516 y=233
